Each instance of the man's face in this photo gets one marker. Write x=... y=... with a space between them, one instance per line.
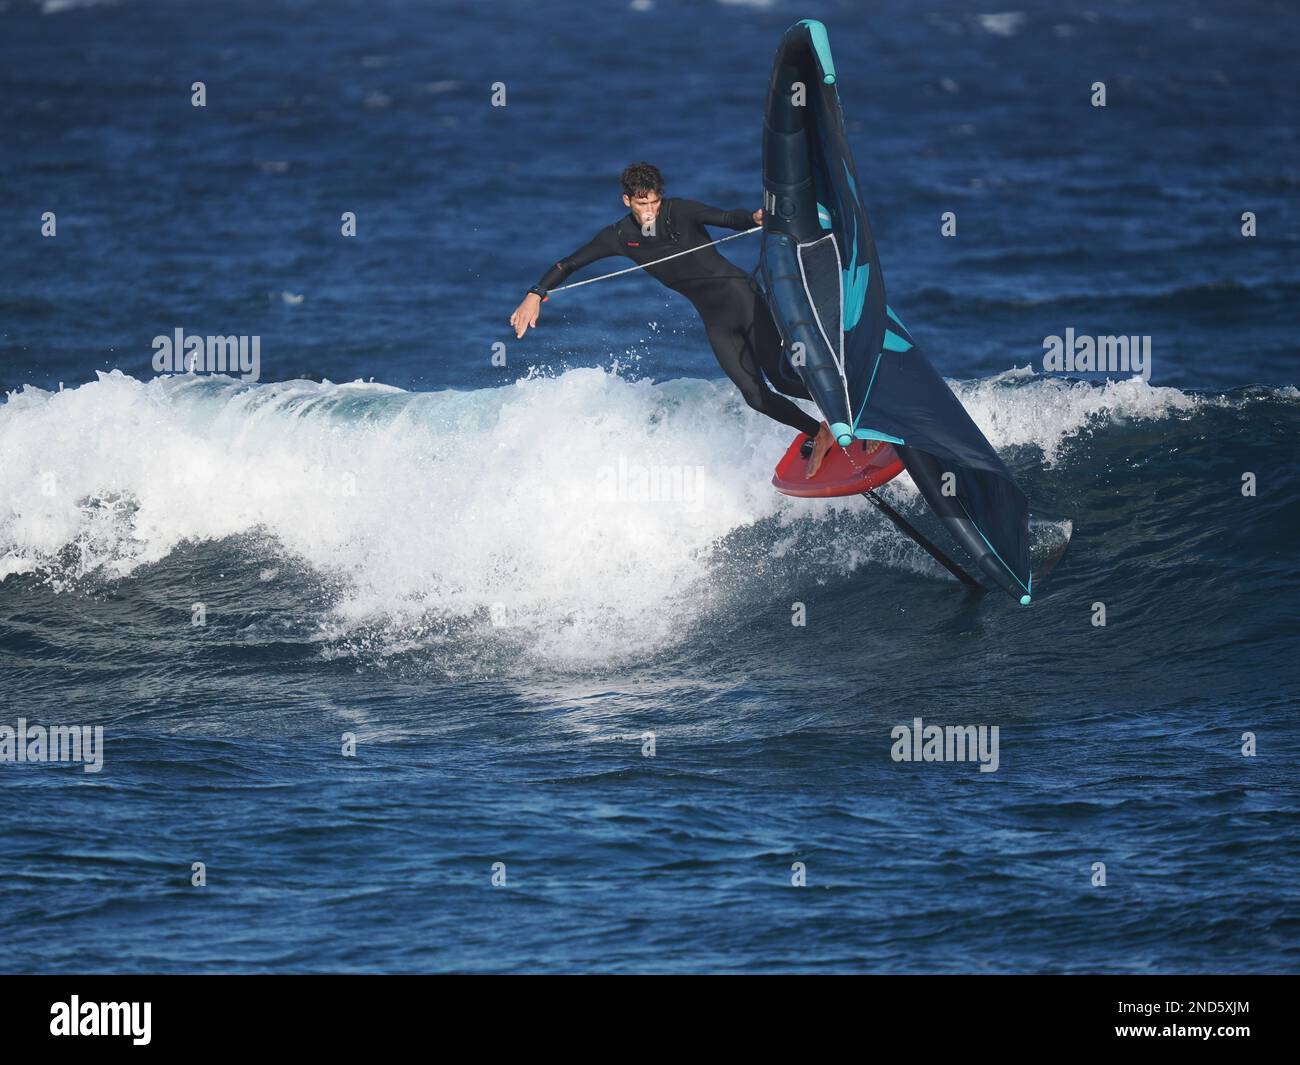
x=645 y=206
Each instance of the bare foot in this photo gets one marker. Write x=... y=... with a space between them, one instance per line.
x=822 y=444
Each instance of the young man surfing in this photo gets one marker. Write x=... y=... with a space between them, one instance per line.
x=736 y=319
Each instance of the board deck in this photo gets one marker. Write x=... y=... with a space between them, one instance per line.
x=847 y=471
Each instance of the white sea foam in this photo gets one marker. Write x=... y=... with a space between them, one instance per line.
x=1046 y=411
x=1002 y=24
x=485 y=505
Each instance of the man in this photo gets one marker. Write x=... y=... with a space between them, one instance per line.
x=739 y=326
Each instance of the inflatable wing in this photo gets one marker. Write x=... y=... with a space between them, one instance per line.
x=822 y=279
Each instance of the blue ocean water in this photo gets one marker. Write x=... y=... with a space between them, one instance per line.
x=393 y=537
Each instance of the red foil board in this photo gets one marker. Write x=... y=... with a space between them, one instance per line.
x=844 y=472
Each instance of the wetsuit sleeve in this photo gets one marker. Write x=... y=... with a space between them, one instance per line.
x=716 y=216
x=601 y=246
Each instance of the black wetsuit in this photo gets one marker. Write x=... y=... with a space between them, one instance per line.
x=736 y=318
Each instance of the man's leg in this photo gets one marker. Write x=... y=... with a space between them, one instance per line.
x=736 y=357
x=765 y=341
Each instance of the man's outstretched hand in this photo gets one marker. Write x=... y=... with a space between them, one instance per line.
x=526 y=314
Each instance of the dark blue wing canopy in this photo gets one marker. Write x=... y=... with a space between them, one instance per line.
x=823 y=283
x=819 y=262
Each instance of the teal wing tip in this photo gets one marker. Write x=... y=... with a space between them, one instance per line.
x=821 y=43
x=842 y=433
x=1025 y=600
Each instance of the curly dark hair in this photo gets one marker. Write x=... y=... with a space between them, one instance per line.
x=641 y=178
